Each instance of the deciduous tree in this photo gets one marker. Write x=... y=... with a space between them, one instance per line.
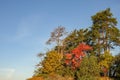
x=88 y=69
x=105 y=62
x=74 y=58
x=51 y=63
x=57 y=36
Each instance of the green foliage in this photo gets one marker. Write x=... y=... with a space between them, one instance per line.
x=74 y=38
x=106 y=59
x=117 y=63
x=105 y=62
x=104 y=33
x=67 y=71
x=115 y=68
x=88 y=69
x=102 y=36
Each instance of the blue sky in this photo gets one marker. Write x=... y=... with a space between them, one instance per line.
x=25 y=26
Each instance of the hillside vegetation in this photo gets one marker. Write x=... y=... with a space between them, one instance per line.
x=83 y=54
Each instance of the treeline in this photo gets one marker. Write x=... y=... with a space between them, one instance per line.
x=83 y=54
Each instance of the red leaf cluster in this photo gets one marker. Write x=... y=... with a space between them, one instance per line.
x=74 y=58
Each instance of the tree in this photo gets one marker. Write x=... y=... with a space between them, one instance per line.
x=100 y=38
x=56 y=36
x=104 y=33
x=115 y=68
x=74 y=58
x=51 y=64
x=105 y=62
x=89 y=69
x=75 y=38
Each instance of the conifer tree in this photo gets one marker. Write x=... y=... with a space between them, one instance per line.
x=104 y=33
x=75 y=38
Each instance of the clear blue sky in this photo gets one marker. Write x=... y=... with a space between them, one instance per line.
x=25 y=25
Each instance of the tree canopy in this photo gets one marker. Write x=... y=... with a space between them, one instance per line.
x=85 y=53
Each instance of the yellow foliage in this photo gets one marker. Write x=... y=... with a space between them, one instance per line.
x=105 y=78
x=106 y=60
x=52 y=62
x=53 y=76
x=36 y=78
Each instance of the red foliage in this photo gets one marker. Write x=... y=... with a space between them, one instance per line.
x=74 y=59
x=67 y=61
x=68 y=56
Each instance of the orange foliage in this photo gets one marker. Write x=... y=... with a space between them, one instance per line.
x=74 y=59
x=68 y=56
